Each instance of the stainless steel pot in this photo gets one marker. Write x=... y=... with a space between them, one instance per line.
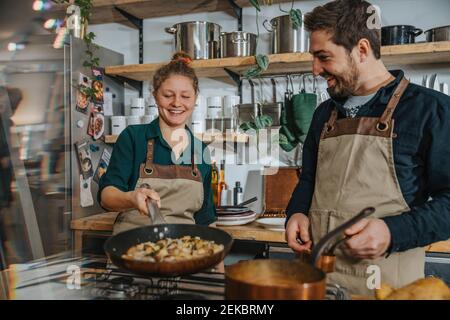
x=237 y=44
x=248 y=111
x=273 y=109
x=199 y=39
x=285 y=38
x=400 y=34
x=438 y=34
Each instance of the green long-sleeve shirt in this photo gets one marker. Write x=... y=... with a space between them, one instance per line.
x=130 y=151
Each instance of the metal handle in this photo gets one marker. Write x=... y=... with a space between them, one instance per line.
x=332 y=235
x=171 y=30
x=153 y=209
x=417 y=32
x=271 y=26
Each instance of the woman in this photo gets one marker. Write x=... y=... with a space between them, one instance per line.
x=145 y=155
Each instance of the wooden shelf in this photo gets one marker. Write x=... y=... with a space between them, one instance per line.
x=205 y=137
x=103 y=10
x=418 y=53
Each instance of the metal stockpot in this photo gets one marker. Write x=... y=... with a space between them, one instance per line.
x=400 y=34
x=237 y=44
x=285 y=38
x=438 y=34
x=199 y=39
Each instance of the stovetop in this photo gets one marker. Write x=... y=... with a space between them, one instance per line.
x=93 y=279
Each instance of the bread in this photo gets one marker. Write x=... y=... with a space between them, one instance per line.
x=422 y=289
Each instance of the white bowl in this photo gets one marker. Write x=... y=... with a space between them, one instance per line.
x=276 y=224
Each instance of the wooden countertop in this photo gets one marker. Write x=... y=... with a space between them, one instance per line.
x=252 y=231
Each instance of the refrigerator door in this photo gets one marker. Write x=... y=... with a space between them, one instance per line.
x=78 y=122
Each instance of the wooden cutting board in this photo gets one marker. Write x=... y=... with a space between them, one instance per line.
x=278 y=188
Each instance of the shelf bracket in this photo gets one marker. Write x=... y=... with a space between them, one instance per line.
x=138 y=23
x=138 y=85
x=238 y=12
x=236 y=77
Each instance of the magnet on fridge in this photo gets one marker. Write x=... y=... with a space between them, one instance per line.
x=85 y=185
x=80 y=123
x=94 y=148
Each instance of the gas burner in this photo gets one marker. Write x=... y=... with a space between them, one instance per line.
x=120 y=288
x=336 y=292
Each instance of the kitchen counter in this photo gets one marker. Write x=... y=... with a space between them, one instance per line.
x=103 y=223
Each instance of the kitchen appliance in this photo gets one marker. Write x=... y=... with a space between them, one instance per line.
x=237 y=44
x=438 y=34
x=102 y=281
x=399 y=34
x=284 y=37
x=118 y=244
x=288 y=280
x=199 y=39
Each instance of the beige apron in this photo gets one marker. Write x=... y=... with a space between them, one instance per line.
x=179 y=187
x=355 y=169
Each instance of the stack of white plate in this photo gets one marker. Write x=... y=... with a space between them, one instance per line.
x=234 y=216
x=275 y=224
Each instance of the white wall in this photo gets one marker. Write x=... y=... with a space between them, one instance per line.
x=158 y=47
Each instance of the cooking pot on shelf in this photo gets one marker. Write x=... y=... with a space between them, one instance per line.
x=237 y=44
x=199 y=39
x=284 y=37
x=399 y=34
x=438 y=34
x=303 y=279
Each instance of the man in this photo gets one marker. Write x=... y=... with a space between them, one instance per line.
x=379 y=141
x=9 y=101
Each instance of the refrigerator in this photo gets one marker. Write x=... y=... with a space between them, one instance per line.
x=47 y=126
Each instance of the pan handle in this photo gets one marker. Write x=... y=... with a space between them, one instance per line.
x=332 y=235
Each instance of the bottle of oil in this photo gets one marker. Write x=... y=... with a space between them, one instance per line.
x=215 y=183
x=222 y=184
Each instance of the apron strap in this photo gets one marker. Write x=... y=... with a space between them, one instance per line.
x=329 y=126
x=149 y=158
x=383 y=123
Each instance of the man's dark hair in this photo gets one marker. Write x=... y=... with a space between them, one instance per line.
x=347 y=20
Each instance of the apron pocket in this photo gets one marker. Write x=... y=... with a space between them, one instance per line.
x=318 y=220
x=131 y=219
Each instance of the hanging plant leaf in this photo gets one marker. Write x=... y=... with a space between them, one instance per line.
x=283 y=140
x=266 y=120
x=252 y=72
x=296 y=18
x=262 y=61
x=255 y=3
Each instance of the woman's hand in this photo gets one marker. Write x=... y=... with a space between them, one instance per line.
x=139 y=196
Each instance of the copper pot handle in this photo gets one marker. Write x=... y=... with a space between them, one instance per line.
x=325 y=242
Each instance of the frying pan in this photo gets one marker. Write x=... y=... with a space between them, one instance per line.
x=303 y=279
x=118 y=244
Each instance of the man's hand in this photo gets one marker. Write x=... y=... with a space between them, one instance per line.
x=370 y=238
x=298 y=228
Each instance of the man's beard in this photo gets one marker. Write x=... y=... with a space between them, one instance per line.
x=345 y=83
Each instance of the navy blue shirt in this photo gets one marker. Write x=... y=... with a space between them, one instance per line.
x=421 y=155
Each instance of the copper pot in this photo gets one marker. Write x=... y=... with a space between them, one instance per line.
x=300 y=279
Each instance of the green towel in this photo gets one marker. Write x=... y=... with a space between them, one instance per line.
x=303 y=106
